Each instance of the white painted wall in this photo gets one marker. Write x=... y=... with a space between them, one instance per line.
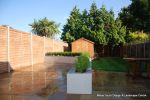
x=79 y=83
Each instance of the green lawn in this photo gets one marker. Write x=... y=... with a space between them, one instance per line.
x=110 y=64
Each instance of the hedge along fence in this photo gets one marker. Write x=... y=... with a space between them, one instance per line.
x=141 y=50
x=19 y=49
x=63 y=54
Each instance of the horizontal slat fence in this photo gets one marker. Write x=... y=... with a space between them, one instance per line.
x=19 y=49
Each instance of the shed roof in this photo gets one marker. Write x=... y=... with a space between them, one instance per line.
x=84 y=40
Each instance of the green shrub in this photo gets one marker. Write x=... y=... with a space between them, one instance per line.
x=82 y=63
x=137 y=37
x=63 y=54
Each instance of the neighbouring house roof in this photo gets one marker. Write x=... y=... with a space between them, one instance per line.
x=84 y=40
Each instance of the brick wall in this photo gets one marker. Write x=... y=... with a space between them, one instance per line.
x=19 y=49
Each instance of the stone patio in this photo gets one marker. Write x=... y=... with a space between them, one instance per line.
x=48 y=82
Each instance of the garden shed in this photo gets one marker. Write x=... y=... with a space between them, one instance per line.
x=83 y=45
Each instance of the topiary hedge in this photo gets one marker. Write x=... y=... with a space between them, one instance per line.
x=63 y=54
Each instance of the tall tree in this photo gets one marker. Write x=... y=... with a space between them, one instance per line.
x=72 y=27
x=45 y=27
x=137 y=15
x=97 y=25
x=85 y=31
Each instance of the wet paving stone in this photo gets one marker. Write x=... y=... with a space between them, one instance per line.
x=110 y=83
x=48 y=82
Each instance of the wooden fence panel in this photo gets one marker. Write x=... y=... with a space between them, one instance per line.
x=147 y=50
x=141 y=50
x=3 y=50
x=19 y=49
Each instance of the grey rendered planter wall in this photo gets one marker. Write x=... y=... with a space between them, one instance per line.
x=60 y=59
x=79 y=83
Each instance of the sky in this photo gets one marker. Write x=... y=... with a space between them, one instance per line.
x=20 y=13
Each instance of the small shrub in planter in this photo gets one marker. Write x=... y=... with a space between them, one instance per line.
x=79 y=80
x=82 y=63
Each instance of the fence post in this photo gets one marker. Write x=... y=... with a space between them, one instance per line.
x=144 y=50
x=44 y=46
x=53 y=45
x=126 y=50
x=31 y=50
x=22 y=51
x=130 y=51
x=8 y=53
x=136 y=50
x=8 y=48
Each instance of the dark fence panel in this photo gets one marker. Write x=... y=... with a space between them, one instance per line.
x=147 y=49
x=141 y=50
x=109 y=51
